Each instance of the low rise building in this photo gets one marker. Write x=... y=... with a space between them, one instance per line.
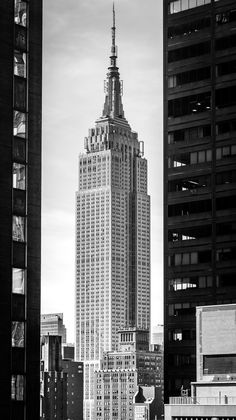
x=213 y=395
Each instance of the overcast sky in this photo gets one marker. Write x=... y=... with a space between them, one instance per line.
x=77 y=40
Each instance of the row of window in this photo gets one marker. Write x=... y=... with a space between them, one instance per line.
x=188 y=258
x=189 y=233
x=190 y=208
x=189 y=28
x=196 y=75
x=202 y=102
x=177 y=6
x=194 y=133
x=202 y=282
x=201 y=156
x=201 y=48
x=183 y=283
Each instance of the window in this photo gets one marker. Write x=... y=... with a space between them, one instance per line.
x=19 y=176
x=19 y=204
x=17 y=334
x=19 y=149
x=20 y=38
x=189 y=105
x=19 y=63
x=17 y=387
x=19 y=124
x=226 y=17
x=20 y=13
x=189 y=184
x=226 y=97
x=18 y=280
x=177 y=6
x=225 y=151
x=189 y=208
x=226 y=280
x=187 y=29
x=190 y=283
x=227 y=177
x=18 y=228
x=19 y=93
x=191 y=76
x=189 y=52
x=193 y=133
x=217 y=364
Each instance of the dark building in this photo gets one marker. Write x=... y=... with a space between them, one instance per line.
x=74 y=371
x=53 y=380
x=20 y=207
x=199 y=173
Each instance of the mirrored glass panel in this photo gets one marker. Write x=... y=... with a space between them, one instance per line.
x=20 y=93
x=19 y=176
x=20 y=38
x=18 y=229
x=19 y=202
x=18 y=149
x=20 y=12
x=19 y=64
x=17 y=387
x=18 y=280
x=19 y=124
x=17 y=334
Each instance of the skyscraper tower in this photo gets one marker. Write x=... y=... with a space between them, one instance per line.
x=20 y=207
x=199 y=173
x=112 y=233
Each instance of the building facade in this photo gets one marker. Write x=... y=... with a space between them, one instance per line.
x=112 y=234
x=199 y=173
x=121 y=374
x=52 y=324
x=53 y=380
x=74 y=371
x=213 y=395
x=20 y=207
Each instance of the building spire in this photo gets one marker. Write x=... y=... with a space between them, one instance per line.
x=113 y=86
x=113 y=37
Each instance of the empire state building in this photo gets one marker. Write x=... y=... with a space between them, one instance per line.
x=112 y=234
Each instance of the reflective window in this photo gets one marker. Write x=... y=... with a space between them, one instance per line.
x=17 y=334
x=18 y=254
x=17 y=387
x=19 y=149
x=20 y=38
x=19 y=93
x=188 y=28
x=18 y=280
x=177 y=6
x=20 y=12
x=186 y=105
x=19 y=202
x=217 y=364
x=225 y=151
x=19 y=64
x=19 y=124
x=18 y=228
x=19 y=176
x=184 y=53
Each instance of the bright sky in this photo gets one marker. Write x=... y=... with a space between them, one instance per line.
x=77 y=40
